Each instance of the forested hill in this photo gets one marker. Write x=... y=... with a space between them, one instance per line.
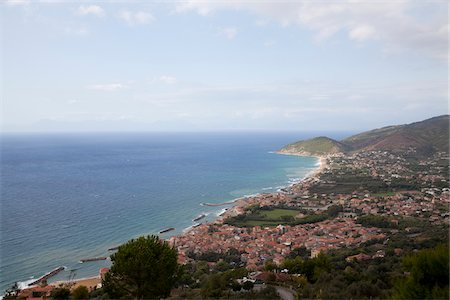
x=428 y=136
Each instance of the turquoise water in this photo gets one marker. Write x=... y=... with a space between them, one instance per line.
x=73 y=196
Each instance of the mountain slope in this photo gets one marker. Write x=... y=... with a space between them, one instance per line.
x=316 y=146
x=426 y=137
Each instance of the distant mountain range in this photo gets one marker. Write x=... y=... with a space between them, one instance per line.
x=426 y=137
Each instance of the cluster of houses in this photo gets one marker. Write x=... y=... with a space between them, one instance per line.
x=258 y=245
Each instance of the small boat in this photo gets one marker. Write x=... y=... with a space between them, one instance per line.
x=93 y=259
x=199 y=217
x=167 y=230
x=196 y=225
x=113 y=248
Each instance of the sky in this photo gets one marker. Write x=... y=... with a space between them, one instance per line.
x=221 y=65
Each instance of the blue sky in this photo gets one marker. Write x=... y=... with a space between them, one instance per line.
x=219 y=66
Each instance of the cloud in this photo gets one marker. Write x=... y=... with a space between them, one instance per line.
x=228 y=32
x=136 y=18
x=17 y=2
x=90 y=10
x=361 y=33
x=110 y=87
x=167 y=79
x=417 y=26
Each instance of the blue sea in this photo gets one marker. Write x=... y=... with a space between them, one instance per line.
x=65 y=197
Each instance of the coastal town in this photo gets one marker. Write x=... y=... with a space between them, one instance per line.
x=428 y=200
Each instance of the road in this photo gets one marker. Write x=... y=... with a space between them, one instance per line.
x=285 y=293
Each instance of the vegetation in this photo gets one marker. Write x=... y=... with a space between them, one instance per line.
x=273 y=216
x=231 y=256
x=310 y=268
x=428 y=275
x=142 y=268
x=376 y=221
x=80 y=293
x=60 y=293
x=316 y=146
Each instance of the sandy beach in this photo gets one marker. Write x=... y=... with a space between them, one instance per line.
x=90 y=282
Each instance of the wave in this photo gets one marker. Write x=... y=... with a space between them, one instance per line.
x=187 y=228
x=251 y=195
x=24 y=284
x=221 y=212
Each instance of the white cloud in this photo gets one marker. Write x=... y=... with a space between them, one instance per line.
x=361 y=33
x=17 y=2
x=136 y=18
x=418 y=26
x=228 y=32
x=90 y=10
x=110 y=87
x=168 y=79
x=165 y=79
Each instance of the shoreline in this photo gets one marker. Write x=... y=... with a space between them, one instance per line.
x=89 y=282
x=237 y=206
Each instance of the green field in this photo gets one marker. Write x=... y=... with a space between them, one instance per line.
x=277 y=213
x=265 y=218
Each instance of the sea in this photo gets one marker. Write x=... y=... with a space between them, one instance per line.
x=72 y=196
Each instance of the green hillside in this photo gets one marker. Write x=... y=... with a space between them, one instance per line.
x=316 y=146
x=426 y=137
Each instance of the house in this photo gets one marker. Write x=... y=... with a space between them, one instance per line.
x=37 y=292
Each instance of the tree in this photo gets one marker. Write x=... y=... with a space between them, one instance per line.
x=214 y=286
x=80 y=292
x=301 y=251
x=269 y=265
x=142 y=268
x=60 y=293
x=429 y=275
x=248 y=285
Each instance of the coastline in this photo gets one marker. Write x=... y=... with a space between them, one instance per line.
x=230 y=208
x=89 y=282
x=239 y=204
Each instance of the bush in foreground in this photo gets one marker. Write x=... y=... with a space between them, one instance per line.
x=143 y=268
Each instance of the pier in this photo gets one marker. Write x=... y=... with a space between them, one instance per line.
x=218 y=204
x=167 y=230
x=46 y=276
x=199 y=217
x=93 y=259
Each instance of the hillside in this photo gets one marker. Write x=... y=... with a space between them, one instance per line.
x=316 y=146
x=426 y=137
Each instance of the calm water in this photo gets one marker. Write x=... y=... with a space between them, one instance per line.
x=68 y=197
